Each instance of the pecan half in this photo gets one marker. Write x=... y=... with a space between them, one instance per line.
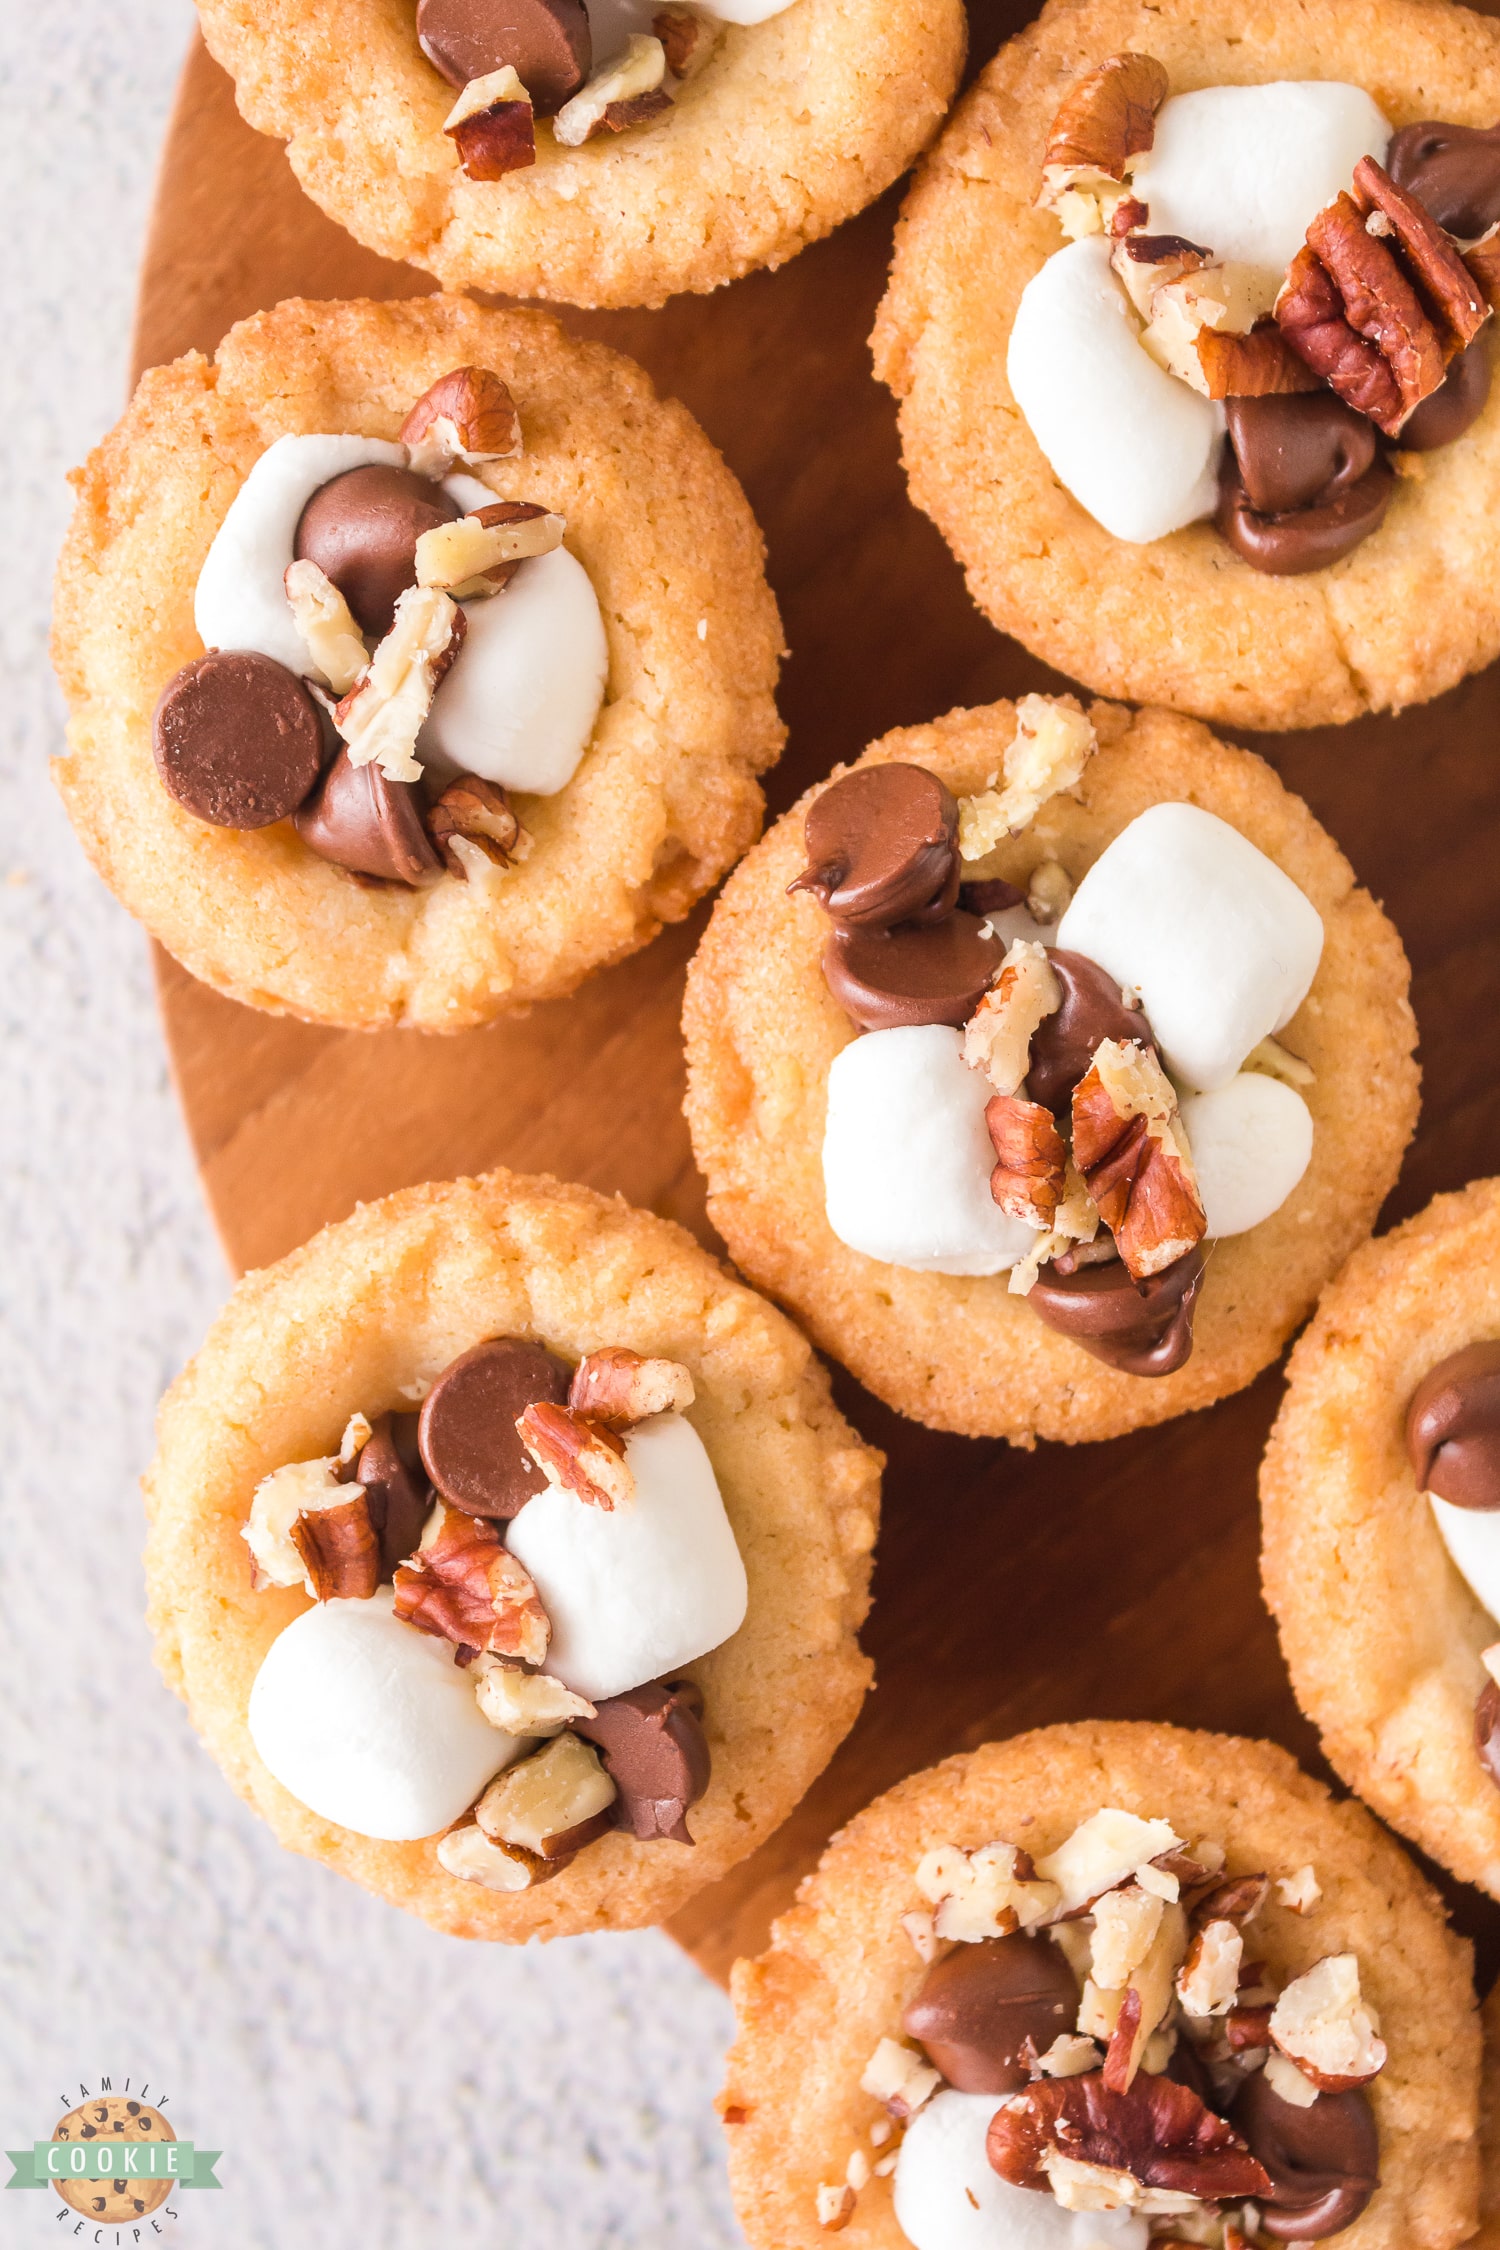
x=339 y=1550
x=1131 y=1151
x=493 y=126
x=474 y=814
x=467 y=415
x=1105 y=123
x=584 y=1458
x=464 y=1586
x=1160 y=2133
x=1348 y=309
x=618 y=1387
x=1440 y=273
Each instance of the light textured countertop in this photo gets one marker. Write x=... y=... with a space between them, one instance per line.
x=371 y=2084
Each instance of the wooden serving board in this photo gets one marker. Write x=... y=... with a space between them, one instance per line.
x=1011 y=1589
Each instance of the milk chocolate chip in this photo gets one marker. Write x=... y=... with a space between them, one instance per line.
x=1457 y=402
x=1140 y=1327
x=983 y=2007
x=1324 y=2161
x=1304 y=539
x=362 y=528
x=1062 y=1046
x=655 y=1752
x=467 y=1430
x=546 y=42
x=1453 y=1428
x=916 y=973
x=360 y=820
x=882 y=847
x=1453 y=170
x=389 y=1467
x=237 y=738
x=1298 y=451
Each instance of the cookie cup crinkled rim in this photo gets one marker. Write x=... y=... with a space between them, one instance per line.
x=400 y=1289
x=965 y=1354
x=1380 y=1633
x=665 y=798
x=840 y=1969
x=792 y=126
x=1183 y=621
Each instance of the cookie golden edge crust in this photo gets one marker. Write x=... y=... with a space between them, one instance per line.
x=1380 y=1633
x=403 y=1286
x=1183 y=621
x=792 y=126
x=666 y=796
x=839 y=1969
x=761 y=1030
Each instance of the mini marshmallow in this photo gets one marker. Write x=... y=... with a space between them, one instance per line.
x=633 y=1593
x=1243 y=170
x=907 y=1159
x=1251 y=1142
x=519 y=705
x=1134 y=446
x=241 y=598
x=947 y=2198
x=1220 y=945
x=371 y=1724
x=1472 y=1538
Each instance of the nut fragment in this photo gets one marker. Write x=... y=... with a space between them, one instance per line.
x=464 y=1586
x=1260 y=364
x=1444 y=280
x=339 y=1549
x=1126 y=1923
x=1129 y=1145
x=298 y=1487
x=326 y=623
x=1348 y=308
x=835 y=2206
x=528 y=1703
x=382 y=715
x=1127 y=2014
x=1159 y=2134
x=1105 y=124
x=1321 y=2024
x=1247 y=2029
x=1075 y=1221
x=552 y=1803
x=983 y=1893
x=618 y=1387
x=1103 y=1851
x=998 y=1036
x=477 y=814
x=584 y=1458
x=624 y=92
x=1068 y=2056
x=1049 y=892
x=476 y=1858
x=1210 y=1976
x=1289 y=2083
x=1300 y=1893
x=1030 y=1173
x=1052 y=744
x=476 y=554
x=467 y=415
x=1239 y=1900
x=900 y=2078
x=493 y=126
x=687 y=39
x=924 y=1940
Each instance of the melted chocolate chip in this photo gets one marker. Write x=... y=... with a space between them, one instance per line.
x=237 y=738
x=389 y=1468
x=933 y=973
x=1452 y=170
x=995 y=896
x=655 y=1752
x=1487 y=1730
x=1062 y=1046
x=984 y=2007
x=1324 y=2161
x=1298 y=451
x=1457 y=403
x=1140 y=1327
x=362 y=528
x=882 y=848
x=1288 y=546
x=1453 y=1428
x=360 y=820
x=546 y=42
x=467 y=1430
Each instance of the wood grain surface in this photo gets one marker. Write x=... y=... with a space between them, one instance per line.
x=1011 y=1589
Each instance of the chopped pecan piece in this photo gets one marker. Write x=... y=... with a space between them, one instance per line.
x=1248 y=2028
x=1139 y=1942
x=326 y=623
x=463 y=1586
x=584 y=1458
x=998 y=1036
x=983 y=1893
x=1239 y=1900
x=339 y=1549
x=1029 y=1177
x=525 y=1703
x=1052 y=744
x=1321 y=2024
x=476 y=1858
x=1259 y=365
x=1441 y=275
x=1129 y=1146
x=552 y=1803
x=1160 y=2134
x=618 y=1387
x=618 y=86
x=900 y=2078
x=473 y=816
x=493 y=126
x=478 y=554
x=1210 y=1976
x=1348 y=309
x=687 y=39
x=467 y=415
x=1106 y=122
x=383 y=713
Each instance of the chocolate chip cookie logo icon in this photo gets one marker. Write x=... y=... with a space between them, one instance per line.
x=114 y=2159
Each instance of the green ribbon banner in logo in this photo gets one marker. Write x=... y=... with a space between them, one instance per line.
x=46 y=2163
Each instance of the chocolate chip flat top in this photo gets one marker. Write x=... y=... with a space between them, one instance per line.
x=360 y=820
x=981 y=2003
x=362 y=528
x=467 y=1430
x=1453 y=1428
x=238 y=739
x=933 y=973
x=546 y=42
x=882 y=845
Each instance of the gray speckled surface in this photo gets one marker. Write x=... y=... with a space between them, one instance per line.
x=371 y=2084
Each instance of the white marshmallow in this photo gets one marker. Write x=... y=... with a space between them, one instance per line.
x=371 y=1724
x=241 y=600
x=1251 y=1142
x=1134 y=446
x=1243 y=170
x=1219 y=944
x=907 y=1160
x=519 y=705
x=744 y=11
x=947 y=2197
x=635 y=1592
x=1472 y=1538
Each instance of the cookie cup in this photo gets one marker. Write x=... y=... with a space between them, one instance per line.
x=1182 y=621
x=792 y=126
x=1380 y=1633
x=665 y=798
x=352 y=1322
x=840 y=1969
x=965 y=1354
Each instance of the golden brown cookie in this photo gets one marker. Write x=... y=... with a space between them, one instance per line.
x=665 y=798
x=1182 y=621
x=965 y=1354
x=791 y=127
x=112 y=2202
x=1381 y=1634
x=841 y=1969
x=354 y=1322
